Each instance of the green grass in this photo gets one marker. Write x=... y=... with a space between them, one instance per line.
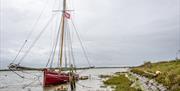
x=120 y=82
x=170 y=73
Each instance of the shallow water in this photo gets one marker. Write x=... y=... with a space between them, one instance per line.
x=9 y=81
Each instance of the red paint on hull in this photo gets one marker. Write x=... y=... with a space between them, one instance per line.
x=54 y=78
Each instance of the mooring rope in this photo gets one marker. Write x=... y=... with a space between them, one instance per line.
x=34 y=79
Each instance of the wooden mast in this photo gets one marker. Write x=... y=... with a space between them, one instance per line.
x=62 y=32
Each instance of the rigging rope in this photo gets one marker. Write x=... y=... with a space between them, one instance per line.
x=51 y=56
x=16 y=73
x=56 y=42
x=30 y=33
x=34 y=79
x=36 y=22
x=70 y=47
x=36 y=39
x=19 y=51
x=85 y=54
x=66 y=49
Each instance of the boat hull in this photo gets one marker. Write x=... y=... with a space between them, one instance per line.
x=53 y=78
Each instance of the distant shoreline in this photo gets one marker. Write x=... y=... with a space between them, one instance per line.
x=40 y=69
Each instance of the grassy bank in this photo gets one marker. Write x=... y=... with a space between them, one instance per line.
x=166 y=73
x=120 y=83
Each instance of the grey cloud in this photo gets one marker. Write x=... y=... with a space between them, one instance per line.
x=115 y=32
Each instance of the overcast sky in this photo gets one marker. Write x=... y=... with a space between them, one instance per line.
x=114 y=32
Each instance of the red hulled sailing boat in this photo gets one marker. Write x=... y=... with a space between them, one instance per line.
x=51 y=76
x=62 y=49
